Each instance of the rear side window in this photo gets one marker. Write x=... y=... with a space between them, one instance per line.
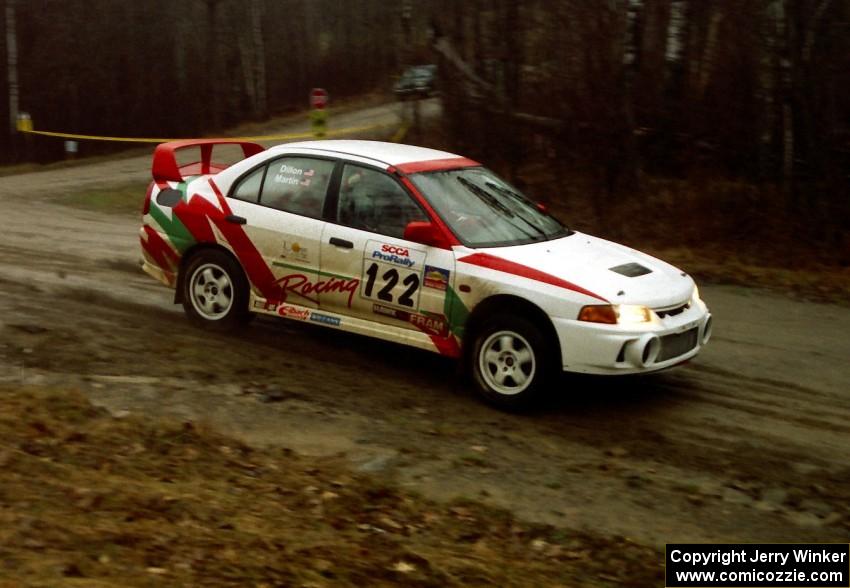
x=297 y=185
x=248 y=188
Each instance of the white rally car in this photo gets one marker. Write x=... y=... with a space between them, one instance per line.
x=416 y=246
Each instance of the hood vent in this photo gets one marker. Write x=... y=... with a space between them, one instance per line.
x=631 y=270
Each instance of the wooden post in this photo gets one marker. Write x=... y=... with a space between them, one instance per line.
x=12 y=65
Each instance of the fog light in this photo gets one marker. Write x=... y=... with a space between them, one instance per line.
x=643 y=352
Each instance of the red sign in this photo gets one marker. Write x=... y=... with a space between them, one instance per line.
x=318 y=98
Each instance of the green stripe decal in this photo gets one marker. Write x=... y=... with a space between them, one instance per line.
x=456 y=312
x=310 y=270
x=177 y=233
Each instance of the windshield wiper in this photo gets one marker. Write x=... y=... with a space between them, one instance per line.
x=484 y=195
x=491 y=201
x=515 y=196
x=520 y=198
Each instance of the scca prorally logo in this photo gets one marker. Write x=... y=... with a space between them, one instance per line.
x=394 y=254
x=395 y=249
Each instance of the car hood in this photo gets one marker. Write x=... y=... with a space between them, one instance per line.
x=614 y=272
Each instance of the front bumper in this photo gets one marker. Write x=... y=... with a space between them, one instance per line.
x=594 y=348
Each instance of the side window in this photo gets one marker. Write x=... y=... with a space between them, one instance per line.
x=248 y=188
x=372 y=201
x=297 y=185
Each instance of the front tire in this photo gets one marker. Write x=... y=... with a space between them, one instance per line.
x=511 y=364
x=215 y=292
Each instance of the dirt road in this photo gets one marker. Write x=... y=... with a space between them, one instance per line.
x=747 y=443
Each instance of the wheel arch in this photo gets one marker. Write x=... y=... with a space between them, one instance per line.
x=193 y=252
x=508 y=304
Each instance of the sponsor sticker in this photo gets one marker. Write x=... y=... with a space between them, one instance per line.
x=399 y=255
x=264 y=305
x=293 y=312
x=436 y=277
x=294 y=250
x=388 y=311
x=325 y=319
x=433 y=325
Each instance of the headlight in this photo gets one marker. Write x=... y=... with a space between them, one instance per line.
x=633 y=313
x=613 y=314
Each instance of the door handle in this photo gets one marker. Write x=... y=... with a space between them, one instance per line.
x=236 y=220
x=341 y=243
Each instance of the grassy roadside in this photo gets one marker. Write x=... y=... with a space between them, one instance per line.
x=124 y=199
x=92 y=499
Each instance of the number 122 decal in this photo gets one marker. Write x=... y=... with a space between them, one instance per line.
x=385 y=283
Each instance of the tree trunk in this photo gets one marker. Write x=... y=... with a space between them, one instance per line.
x=215 y=52
x=651 y=74
x=12 y=65
x=261 y=107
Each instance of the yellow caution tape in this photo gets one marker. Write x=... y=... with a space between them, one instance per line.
x=400 y=133
x=281 y=137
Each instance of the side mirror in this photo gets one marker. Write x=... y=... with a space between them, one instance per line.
x=425 y=233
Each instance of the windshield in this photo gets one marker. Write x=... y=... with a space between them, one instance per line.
x=485 y=211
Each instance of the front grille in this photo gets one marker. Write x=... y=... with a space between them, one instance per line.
x=672 y=311
x=678 y=344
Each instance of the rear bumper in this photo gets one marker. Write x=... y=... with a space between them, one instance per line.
x=167 y=278
x=593 y=348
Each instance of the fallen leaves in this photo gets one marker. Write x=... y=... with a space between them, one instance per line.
x=131 y=502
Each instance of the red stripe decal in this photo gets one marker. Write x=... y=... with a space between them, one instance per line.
x=447 y=346
x=517 y=269
x=158 y=250
x=197 y=214
x=436 y=165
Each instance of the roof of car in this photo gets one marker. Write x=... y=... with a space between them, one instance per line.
x=391 y=154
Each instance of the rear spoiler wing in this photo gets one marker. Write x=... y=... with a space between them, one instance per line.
x=165 y=167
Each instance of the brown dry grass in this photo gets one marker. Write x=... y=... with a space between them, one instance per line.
x=93 y=500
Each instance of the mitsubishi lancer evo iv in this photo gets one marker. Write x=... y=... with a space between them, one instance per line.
x=417 y=246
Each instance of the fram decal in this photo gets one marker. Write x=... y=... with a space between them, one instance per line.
x=436 y=277
x=325 y=319
x=302 y=286
x=431 y=325
x=293 y=312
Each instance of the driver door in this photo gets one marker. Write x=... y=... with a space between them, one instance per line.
x=387 y=279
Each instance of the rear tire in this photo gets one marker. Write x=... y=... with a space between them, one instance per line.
x=215 y=292
x=510 y=362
